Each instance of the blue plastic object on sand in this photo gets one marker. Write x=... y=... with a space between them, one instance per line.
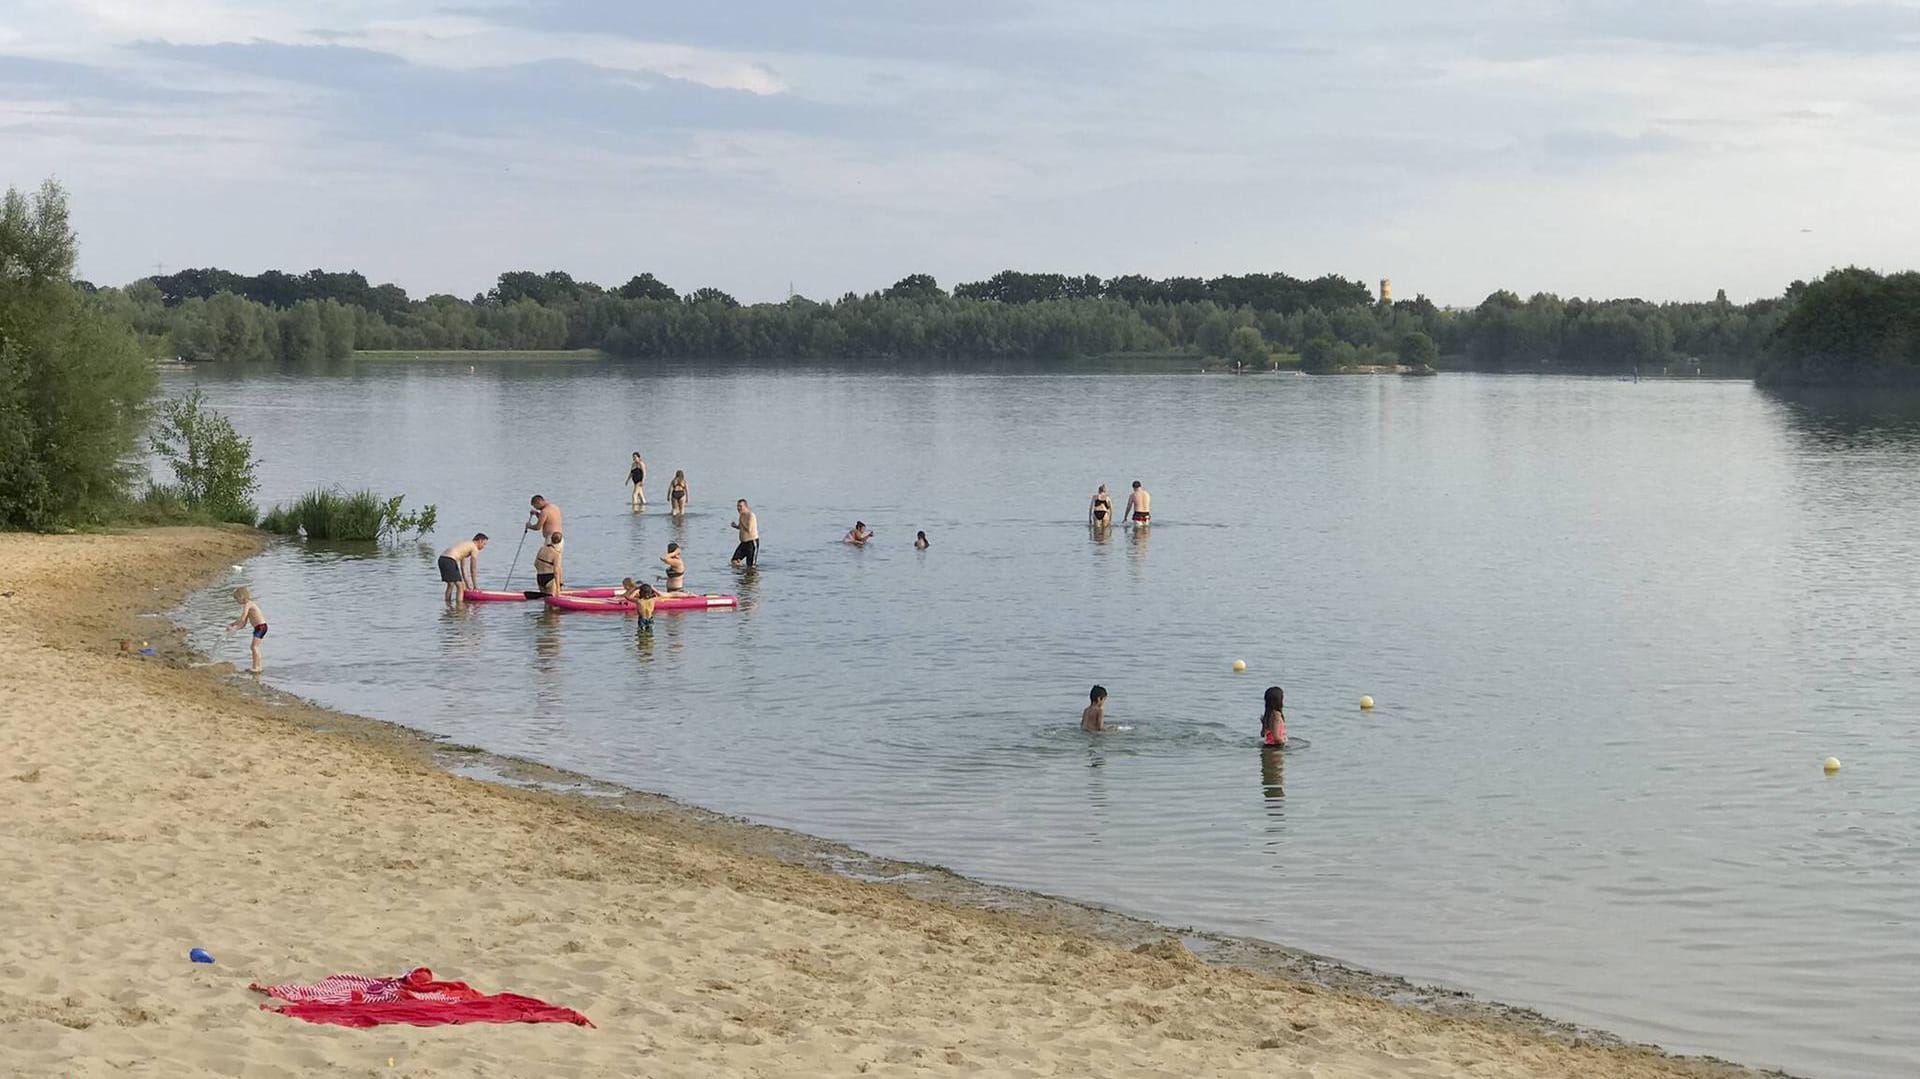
x=199 y=955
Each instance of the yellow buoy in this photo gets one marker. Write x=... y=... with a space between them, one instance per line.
x=1239 y=665
x=1832 y=765
x=1366 y=703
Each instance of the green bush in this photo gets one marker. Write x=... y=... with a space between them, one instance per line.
x=74 y=384
x=328 y=513
x=211 y=463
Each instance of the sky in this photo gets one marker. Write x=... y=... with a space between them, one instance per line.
x=1655 y=148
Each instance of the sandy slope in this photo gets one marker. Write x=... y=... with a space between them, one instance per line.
x=145 y=810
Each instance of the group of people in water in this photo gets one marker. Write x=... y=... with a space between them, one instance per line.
x=1138 y=511
x=459 y=564
x=1273 y=719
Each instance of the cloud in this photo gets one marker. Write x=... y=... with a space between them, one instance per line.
x=377 y=95
x=1458 y=148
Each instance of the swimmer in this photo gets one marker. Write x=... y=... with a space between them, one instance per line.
x=642 y=597
x=637 y=475
x=676 y=568
x=1094 y=718
x=547 y=518
x=859 y=536
x=1139 y=506
x=547 y=572
x=677 y=493
x=250 y=616
x=1100 y=510
x=1273 y=724
x=920 y=541
x=460 y=567
x=748 y=552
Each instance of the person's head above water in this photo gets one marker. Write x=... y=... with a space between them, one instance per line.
x=636 y=455
x=1136 y=485
x=1276 y=699
x=859 y=526
x=554 y=539
x=539 y=501
x=920 y=535
x=242 y=595
x=1097 y=694
x=742 y=504
x=626 y=584
x=480 y=538
x=672 y=548
x=647 y=592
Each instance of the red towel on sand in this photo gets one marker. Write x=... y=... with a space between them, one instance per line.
x=354 y=1000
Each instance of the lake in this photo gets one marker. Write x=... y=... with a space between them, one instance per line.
x=1612 y=629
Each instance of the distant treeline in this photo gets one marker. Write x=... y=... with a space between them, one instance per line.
x=1326 y=323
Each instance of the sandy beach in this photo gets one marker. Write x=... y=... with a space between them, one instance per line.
x=147 y=808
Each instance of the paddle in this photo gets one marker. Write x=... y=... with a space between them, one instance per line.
x=508 y=586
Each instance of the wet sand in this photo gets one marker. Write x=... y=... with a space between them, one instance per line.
x=148 y=807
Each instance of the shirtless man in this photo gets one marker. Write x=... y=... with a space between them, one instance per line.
x=460 y=567
x=748 y=526
x=546 y=567
x=1100 y=510
x=546 y=518
x=859 y=536
x=1139 y=506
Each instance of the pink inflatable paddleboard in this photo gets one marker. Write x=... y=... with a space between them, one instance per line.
x=568 y=602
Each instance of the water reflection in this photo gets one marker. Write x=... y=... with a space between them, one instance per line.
x=546 y=643
x=1853 y=416
x=1273 y=763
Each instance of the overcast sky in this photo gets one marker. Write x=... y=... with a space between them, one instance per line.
x=1658 y=148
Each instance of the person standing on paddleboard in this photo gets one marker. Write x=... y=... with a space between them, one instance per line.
x=460 y=567
x=748 y=552
x=546 y=518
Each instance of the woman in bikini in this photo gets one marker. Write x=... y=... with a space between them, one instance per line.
x=1100 y=511
x=677 y=493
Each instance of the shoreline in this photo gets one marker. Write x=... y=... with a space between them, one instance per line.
x=941 y=972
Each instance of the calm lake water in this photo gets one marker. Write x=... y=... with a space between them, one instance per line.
x=1613 y=629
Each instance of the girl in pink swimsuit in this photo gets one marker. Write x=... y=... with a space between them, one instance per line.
x=1273 y=723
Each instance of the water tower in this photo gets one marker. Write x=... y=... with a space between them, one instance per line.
x=1386 y=291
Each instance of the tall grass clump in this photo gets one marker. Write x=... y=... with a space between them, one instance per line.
x=329 y=513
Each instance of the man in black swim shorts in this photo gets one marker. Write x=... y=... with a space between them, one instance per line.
x=460 y=567
x=748 y=552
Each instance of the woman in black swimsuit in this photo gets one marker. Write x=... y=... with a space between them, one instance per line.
x=637 y=475
x=1100 y=513
x=677 y=493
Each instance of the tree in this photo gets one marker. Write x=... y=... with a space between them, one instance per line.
x=1320 y=354
x=916 y=286
x=648 y=287
x=1418 y=350
x=711 y=296
x=212 y=464
x=73 y=383
x=1246 y=346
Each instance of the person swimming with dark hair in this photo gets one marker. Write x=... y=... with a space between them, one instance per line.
x=1273 y=721
x=920 y=542
x=859 y=535
x=1094 y=718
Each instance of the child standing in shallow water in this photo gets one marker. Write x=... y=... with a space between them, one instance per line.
x=250 y=616
x=1273 y=724
x=1094 y=718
